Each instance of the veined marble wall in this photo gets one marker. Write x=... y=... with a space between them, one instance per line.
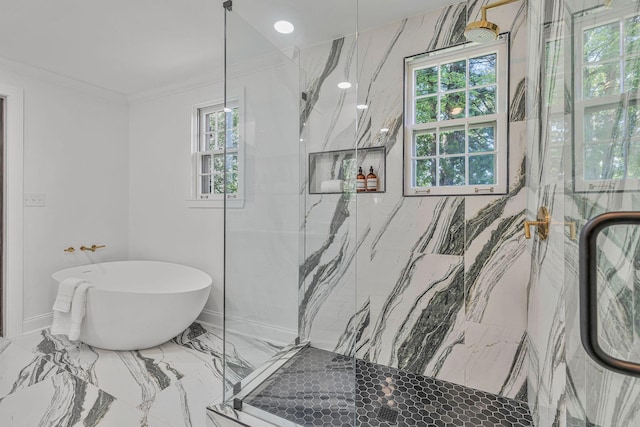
x=431 y=285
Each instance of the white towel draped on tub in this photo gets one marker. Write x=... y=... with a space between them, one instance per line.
x=66 y=288
x=70 y=322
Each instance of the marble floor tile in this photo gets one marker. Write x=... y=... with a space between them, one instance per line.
x=184 y=404
x=20 y=369
x=244 y=354
x=65 y=400
x=48 y=380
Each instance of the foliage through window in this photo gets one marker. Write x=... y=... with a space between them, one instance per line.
x=218 y=131
x=456 y=120
x=607 y=113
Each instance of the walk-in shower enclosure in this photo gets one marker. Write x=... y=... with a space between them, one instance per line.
x=445 y=287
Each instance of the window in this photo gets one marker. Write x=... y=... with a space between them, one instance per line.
x=456 y=121
x=217 y=128
x=607 y=107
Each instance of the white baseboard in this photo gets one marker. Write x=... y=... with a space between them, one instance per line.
x=36 y=323
x=250 y=328
x=211 y=317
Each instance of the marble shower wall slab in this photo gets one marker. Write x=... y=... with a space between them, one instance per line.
x=431 y=285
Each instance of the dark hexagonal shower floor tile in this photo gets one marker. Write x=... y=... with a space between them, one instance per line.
x=316 y=387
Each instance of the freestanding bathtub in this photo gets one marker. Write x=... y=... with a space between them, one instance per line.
x=138 y=304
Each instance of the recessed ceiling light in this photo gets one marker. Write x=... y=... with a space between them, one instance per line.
x=284 y=27
x=384 y=130
x=344 y=85
x=362 y=106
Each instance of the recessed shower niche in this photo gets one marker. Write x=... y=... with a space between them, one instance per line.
x=334 y=172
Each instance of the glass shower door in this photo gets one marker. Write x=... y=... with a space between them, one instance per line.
x=605 y=180
x=585 y=162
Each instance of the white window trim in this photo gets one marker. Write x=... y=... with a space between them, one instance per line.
x=235 y=201
x=581 y=105
x=501 y=48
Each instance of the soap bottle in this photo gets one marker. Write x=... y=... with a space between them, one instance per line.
x=372 y=180
x=361 y=181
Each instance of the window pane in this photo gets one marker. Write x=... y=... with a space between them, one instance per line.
x=603 y=124
x=602 y=42
x=232 y=183
x=206 y=165
x=425 y=172
x=210 y=142
x=426 y=81
x=451 y=171
x=211 y=122
x=554 y=57
x=453 y=75
x=556 y=129
x=482 y=139
x=634 y=120
x=482 y=70
x=554 y=90
x=235 y=123
x=426 y=109
x=632 y=74
x=601 y=80
x=453 y=105
x=232 y=163
x=425 y=145
x=633 y=165
x=482 y=169
x=218 y=163
x=205 y=184
x=482 y=101
x=221 y=130
x=218 y=186
x=234 y=138
x=632 y=35
x=603 y=161
x=452 y=142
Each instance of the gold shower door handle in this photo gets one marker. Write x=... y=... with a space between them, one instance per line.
x=542 y=224
x=573 y=234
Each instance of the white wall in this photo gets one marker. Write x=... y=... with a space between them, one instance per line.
x=75 y=151
x=162 y=226
x=263 y=234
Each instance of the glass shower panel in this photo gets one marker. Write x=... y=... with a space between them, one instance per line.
x=291 y=237
x=262 y=212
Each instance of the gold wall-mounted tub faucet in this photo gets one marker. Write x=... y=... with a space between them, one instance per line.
x=92 y=248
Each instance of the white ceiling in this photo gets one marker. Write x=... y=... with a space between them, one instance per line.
x=129 y=46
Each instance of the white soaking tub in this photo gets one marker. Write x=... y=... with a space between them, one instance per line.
x=138 y=304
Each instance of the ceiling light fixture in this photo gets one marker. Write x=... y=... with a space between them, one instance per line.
x=284 y=27
x=344 y=85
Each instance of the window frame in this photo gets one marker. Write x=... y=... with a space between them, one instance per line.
x=500 y=119
x=582 y=22
x=212 y=200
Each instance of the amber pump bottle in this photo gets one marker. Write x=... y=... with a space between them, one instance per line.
x=361 y=181
x=372 y=180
